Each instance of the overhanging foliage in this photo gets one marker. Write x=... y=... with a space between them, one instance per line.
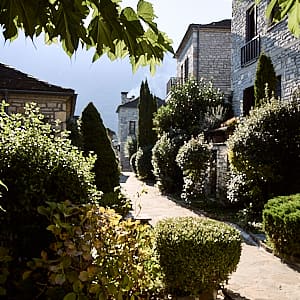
x=99 y=24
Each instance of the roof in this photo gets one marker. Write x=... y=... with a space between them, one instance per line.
x=223 y=24
x=12 y=79
x=135 y=102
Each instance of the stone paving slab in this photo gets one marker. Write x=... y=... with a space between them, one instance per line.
x=259 y=275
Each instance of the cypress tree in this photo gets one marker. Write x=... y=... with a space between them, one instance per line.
x=95 y=139
x=147 y=107
x=265 y=74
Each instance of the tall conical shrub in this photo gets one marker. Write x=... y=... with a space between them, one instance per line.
x=265 y=74
x=147 y=107
x=95 y=139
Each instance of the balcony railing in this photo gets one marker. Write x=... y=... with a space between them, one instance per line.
x=173 y=81
x=250 y=51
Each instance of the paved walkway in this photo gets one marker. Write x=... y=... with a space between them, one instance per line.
x=259 y=276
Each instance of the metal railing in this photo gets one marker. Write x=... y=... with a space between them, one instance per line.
x=250 y=51
x=173 y=81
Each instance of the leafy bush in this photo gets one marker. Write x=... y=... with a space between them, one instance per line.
x=143 y=163
x=196 y=254
x=130 y=146
x=188 y=107
x=133 y=163
x=265 y=148
x=193 y=159
x=95 y=139
x=37 y=164
x=281 y=222
x=168 y=174
x=117 y=201
x=95 y=255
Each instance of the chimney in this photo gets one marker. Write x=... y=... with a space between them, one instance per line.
x=124 y=98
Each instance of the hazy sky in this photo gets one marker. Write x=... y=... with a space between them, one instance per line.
x=103 y=81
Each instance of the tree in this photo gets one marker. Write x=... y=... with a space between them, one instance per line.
x=278 y=9
x=95 y=139
x=190 y=108
x=265 y=80
x=99 y=24
x=147 y=107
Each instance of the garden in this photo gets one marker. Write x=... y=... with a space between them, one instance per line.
x=65 y=231
x=61 y=239
x=261 y=190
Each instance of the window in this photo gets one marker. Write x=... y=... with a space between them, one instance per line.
x=278 y=87
x=181 y=72
x=251 y=29
x=132 y=127
x=248 y=100
x=186 y=69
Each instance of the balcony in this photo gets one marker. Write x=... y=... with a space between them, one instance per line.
x=173 y=81
x=250 y=51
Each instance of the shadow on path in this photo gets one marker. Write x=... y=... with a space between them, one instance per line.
x=123 y=178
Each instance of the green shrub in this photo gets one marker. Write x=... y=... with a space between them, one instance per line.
x=133 y=162
x=281 y=222
x=188 y=108
x=95 y=255
x=168 y=174
x=117 y=201
x=143 y=163
x=265 y=148
x=37 y=164
x=196 y=254
x=95 y=139
x=130 y=146
x=193 y=159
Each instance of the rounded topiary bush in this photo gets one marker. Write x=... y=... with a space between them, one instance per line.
x=37 y=164
x=265 y=148
x=143 y=163
x=168 y=174
x=196 y=254
x=193 y=159
x=281 y=222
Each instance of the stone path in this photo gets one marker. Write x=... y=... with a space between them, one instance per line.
x=259 y=276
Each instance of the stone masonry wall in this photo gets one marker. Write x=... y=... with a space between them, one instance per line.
x=125 y=115
x=213 y=60
x=222 y=169
x=52 y=107
x=215 y=57
x=276 y=41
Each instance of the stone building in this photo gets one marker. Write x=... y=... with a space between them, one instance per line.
x=252 y=33
x=128 y=124
x=205 y=52
x=18 y=88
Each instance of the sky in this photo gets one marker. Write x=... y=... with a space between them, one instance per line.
x=103 y=81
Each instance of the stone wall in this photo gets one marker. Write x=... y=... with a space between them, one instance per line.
x=125 y=115
x=52 y=107
x=220 y=168
x=211 y=58
x=276 y=42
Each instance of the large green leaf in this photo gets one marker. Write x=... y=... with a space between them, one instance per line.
x=294 y=19
x=110 y=29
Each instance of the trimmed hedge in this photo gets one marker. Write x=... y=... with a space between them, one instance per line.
x=264 y=149
x=281 y=222
x=196 y=254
